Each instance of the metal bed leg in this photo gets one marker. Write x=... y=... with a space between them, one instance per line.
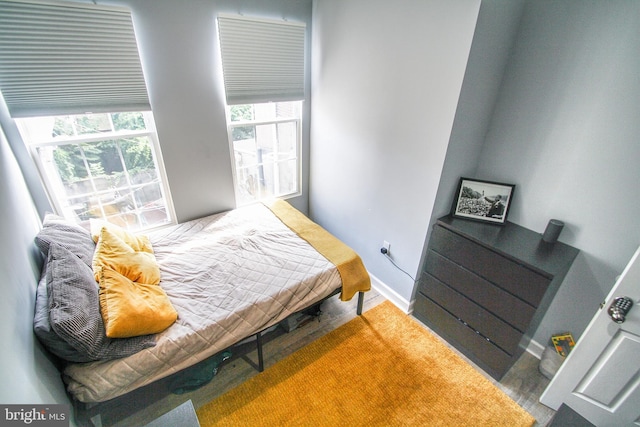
x=360 y=302
x=259 y=345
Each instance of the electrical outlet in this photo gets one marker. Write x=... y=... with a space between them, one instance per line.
x=386 y=246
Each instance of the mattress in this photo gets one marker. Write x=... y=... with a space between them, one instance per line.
x=228 y=276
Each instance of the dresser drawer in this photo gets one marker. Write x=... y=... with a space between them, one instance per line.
x=483 y=286
x=477 y=318
x=501 y=303
x=489 y=356
x=511 y=276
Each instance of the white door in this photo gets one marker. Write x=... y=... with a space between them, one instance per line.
x=601 y=377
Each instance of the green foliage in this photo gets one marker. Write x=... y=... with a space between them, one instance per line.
x=244 y=132
x=128 y=121
x=64 y=160
x=96 y=169
x=62 y=127
x=240 y=113
x=102 y=157
x=137 y=154
x=92 y=123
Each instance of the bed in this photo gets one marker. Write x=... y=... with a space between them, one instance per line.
x=226 y=277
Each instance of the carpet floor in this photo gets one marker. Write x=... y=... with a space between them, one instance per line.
x=380 y=369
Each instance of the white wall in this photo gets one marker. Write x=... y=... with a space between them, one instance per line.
x=27 y=375
x=566 y=131
x=180 y=58
x=386 y=79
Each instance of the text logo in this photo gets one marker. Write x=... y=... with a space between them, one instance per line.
x=54 y=415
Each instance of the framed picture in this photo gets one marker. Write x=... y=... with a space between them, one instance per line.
x=483 y=200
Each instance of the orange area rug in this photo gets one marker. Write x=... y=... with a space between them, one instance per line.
x=380 y=369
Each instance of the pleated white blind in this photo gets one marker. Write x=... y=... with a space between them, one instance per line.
x=68 y=58
x=262 y=60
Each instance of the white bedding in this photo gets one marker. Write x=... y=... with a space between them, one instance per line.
x=229 y=276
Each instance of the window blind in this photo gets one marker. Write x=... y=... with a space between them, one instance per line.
x=68 y=58
x=262 y=60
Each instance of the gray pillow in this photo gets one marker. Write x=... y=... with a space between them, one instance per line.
x=42 y=326
x=70 y=236
x=74 y=309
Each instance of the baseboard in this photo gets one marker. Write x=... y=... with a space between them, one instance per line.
x=535 y=348
x=391 y=295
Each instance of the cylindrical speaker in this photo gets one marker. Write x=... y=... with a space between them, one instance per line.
x=551 y=233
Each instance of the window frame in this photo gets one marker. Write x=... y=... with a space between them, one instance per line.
x=260 y=122
x=54 y=193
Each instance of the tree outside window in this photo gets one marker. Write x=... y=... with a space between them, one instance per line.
x=101 y=166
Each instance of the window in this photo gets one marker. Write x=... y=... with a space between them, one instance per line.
x=265 y=145
x=101 y=166
x=59 y=60
x=263 y=69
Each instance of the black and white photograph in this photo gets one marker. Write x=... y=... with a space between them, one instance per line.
x=483 y=200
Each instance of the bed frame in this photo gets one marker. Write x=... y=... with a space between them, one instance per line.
x=111 y=411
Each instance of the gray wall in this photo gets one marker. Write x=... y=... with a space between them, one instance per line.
x=27 y=375
x=386 y=80
x=565 y=130
x=496 y=29
x=549 y=102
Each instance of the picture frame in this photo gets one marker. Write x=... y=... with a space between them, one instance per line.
x=485 y=201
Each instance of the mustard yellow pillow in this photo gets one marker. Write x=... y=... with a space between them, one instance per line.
x=138 y=242
x=131 y=309
x=111 y=251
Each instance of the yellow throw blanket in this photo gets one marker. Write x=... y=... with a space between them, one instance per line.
x=352 y=272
